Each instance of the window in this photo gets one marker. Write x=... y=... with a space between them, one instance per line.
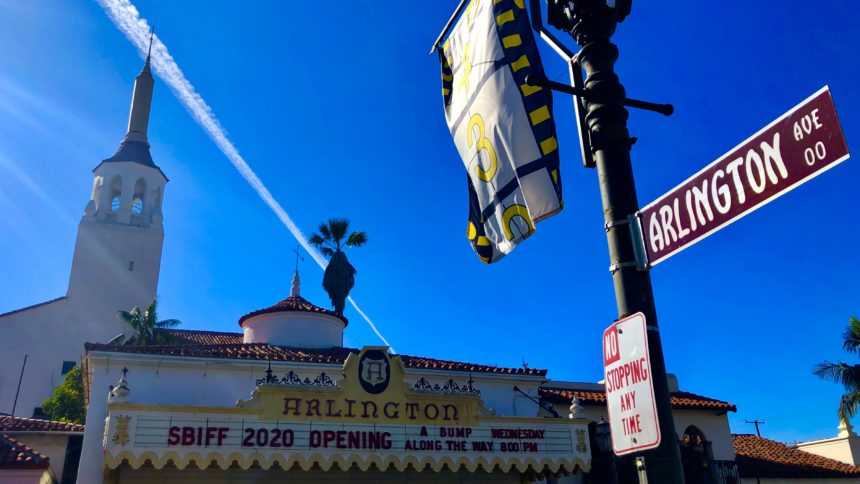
x=67 y=366
x=114 y=204
x=137 y=206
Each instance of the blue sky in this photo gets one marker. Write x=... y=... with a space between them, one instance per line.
x=336 y=106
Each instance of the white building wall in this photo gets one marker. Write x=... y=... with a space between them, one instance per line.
x=844 y=449
x=115 y=267
x=41 y=334
x=294 y=328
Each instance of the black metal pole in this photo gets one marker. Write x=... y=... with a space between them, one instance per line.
x=15 y=404
x=592 y=23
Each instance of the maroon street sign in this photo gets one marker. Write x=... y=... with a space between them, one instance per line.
x=801 y=144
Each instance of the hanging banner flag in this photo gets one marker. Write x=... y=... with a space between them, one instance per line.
x=502 y=127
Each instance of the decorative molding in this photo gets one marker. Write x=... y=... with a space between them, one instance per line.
x=449 y=388
x=120 y=433
x=292 y=378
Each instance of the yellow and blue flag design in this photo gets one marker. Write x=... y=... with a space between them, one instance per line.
x=502 y=127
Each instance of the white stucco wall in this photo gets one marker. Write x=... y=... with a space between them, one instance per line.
x=844 y=449
x=295 y=328
x=103 y=280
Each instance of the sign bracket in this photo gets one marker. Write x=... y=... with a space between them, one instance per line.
x=665 y=109
x=634 y=222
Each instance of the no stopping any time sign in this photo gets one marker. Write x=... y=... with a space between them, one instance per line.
x=630 y=386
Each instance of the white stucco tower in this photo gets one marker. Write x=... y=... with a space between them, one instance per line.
x=115 y=266
x=118 y=249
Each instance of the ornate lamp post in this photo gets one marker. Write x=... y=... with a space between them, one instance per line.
x=591 y=23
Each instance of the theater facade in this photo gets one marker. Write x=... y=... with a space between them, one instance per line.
x=283 y=400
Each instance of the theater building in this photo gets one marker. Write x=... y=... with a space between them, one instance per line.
x=284 y=401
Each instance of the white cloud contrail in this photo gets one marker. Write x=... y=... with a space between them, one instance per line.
x=127 y=19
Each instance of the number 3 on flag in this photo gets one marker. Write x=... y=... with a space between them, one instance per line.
x=482 y=143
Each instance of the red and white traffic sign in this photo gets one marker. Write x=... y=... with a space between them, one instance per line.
x=630 y=386
x=800 y=145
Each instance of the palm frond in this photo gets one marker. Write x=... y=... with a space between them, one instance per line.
x=327 y=252
x=846 y=375
x=316 y=240
x=338 y=228
x=326 y=234
x=851 y=336
x=167 y=323
x=356 y=239
x=848 y=405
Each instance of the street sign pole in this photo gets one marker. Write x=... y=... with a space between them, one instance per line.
x=591 y=24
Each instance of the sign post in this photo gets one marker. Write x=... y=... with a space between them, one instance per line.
x=798 y=146
x=591 y=24
x=629 y=386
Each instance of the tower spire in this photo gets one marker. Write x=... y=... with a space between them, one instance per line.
x=149 y=52
x=295 y=288
x=141 y=100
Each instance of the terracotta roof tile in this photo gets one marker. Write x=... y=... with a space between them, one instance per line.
x=250 y=351
x=419 y=362
x=196 y=337
x=680 y=400
x=9 y=423
x=760 y=457
x=293 y=303
x=15 y=455
x=264 y=351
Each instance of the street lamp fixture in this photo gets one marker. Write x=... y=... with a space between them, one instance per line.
x=565 y=14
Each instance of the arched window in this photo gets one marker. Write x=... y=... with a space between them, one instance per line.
x=114 y=193
x=139 y=196
x=694 y=438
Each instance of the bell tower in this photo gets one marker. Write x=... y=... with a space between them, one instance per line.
x=117 y=254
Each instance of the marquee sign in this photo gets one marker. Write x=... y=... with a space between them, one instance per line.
x=371 y=416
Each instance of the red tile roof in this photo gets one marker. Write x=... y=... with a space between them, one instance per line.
x=680 y=400
x=195 y=337
x=760 y=457
x=419 y=362
x=9 y=423
x=293 y=304
x=15 y=455
x=264 y=351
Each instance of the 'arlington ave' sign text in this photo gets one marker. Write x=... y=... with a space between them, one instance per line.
x=801 y=144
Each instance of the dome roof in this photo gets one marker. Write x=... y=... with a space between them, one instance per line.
x=293 y=304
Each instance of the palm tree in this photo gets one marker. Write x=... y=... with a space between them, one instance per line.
x=843 y=373
x=339 y=277
x=146 y=326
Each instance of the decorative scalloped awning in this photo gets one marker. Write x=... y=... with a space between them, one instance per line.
x=343 y=461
